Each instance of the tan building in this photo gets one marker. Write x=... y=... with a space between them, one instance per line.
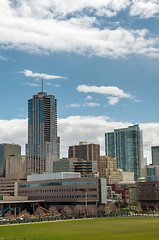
x=108 y=169
x=8 y=185
x=15 y=164
x=6 y=150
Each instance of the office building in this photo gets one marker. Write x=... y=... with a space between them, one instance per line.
x=85 y=151
x=16 y=165
x=43 y=144
x=155 y=155
x=7 y=150
x=126 y=145
x=62 y=189
x=75 y=165
x=147 y=192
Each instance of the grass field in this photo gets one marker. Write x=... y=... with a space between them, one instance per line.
x=93 y=229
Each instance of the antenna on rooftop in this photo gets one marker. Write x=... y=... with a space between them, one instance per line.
x=42 y=84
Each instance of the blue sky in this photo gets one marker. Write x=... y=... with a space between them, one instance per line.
x=100 y=60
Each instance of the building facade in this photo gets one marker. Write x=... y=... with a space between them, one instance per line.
x=126 y=145
x=108 y=169
x=147 y=192
x=43 y=144
x=16 y=165
x=62 y=189
x=85 y=151
x=155 y=155
x=75 y=165
x=7 y=150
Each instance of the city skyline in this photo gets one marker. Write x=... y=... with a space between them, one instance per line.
x=100 y=60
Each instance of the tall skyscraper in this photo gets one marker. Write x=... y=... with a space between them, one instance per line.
x=126 y=145
x=7 y=150
x=155 y=155
x=43 y=144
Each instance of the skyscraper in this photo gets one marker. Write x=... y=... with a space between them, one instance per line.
x=155 y=155
x=126 y=145
x=43 y=144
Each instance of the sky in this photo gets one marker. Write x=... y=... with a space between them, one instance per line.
x=99 y=58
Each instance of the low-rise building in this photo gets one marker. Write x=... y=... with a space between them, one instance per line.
x=148 y=192
x=64 y=189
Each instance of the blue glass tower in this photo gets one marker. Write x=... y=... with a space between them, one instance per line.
x=126 y=145
x=43 y=144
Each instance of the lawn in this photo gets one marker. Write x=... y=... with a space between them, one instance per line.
x=93 y=229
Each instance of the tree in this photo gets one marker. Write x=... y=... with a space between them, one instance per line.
x=102 y=209
x=91 y=210
x=78 y=210
x=113 y=207
x=53 y=211
x=66 y=211
x=138 y=207
x=39 y=212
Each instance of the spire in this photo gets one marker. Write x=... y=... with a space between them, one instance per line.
x=42 y=84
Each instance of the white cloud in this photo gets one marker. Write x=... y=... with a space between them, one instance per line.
x=91 y=104
x=115 y=92
x=74 y=105
x=52 y=85
x=40 y=26
x=144 y=8
x=62 y=8
x=14 y=131
x=113 y=100
x=79 y=128
x=31 y=84
x=88 y=98
x=29 y=73
x=106 y=90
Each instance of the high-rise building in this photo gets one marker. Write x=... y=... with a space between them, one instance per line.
x=43 y=144
x=7 y=150
x=155 y=155
x=85 y=151
x=126 y=145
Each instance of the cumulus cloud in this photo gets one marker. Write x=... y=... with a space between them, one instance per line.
x=62 y=8
x=40 y=26
x=113 y=100
x=144 y=8
x=29 y=73
x=14 y=131
x=115 y=92
x=79 y=128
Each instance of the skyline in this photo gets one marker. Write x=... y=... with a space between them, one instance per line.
x=100 y=60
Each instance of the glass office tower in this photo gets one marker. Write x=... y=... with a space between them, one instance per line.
x=43 y=144
x=155 y=155
x=126 y=145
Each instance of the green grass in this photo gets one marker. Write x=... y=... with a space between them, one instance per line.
x=93 y=229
